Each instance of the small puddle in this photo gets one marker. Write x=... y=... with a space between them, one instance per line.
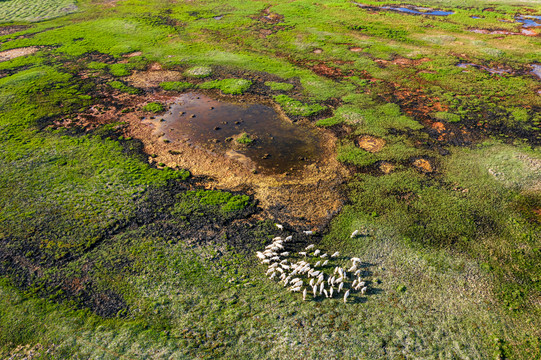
x=490 y=70
x=419 y=11
x=529 y=20
x=536 y=70
x=414 y=10
x=278 y=145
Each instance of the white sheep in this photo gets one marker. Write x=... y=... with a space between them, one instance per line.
x=308 y=232
x=279 y=226
x=316 y=253
x=346 y=296
x=340 y=287
x=331 y=290
x=335 y=254
x=363 y=290
x=317 y=264
x=288 y=238
x=303 y=253
x=323 y=256
x=325 y=263
x=353 y=234
x=326 y=293
x=304 y=295
x=321 y=288
x=309 y=247
x=314 y=288
x=285 y=253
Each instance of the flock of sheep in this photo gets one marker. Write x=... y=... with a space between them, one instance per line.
x=307 y=274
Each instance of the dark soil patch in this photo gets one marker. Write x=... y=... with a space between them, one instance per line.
x=7 y=30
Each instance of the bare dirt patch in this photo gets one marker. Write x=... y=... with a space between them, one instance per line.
x=424 y=165
x=153 y=77
x=7 y=30
x=370 y=143
x=386 y=167
x=15 y=53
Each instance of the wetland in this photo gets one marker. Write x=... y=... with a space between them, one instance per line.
x=181 y=179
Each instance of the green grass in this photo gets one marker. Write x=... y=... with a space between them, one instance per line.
x=228 y=86
x=123 y=87
x=278 y=86
x=244 y=139
x=176 y=85
x=154 y=107
x=297 y=108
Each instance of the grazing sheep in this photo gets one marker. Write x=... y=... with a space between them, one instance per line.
x=321 y=288
x=309 y=247
x=335 y=254
x=346 y=296
x=280 y=270
x=285 y=253
x=302 y=253
x=314 y=288
x=260 y=255
x=353 y=268
x=353 y=284
x=331 y=290
x=317 y=264
x=284 y=266
x=272 y=275
x=266 y=261
x=323 y=256
x=308 y=232
x=326 y=293
x=353 y=234
x=325 y=263
x=316 y=253
x=279 y=226
x=355 y=259
x=304 y=295
x=358 y=272
x=312 y=282
x=288 y=238
x=276 y=258
x=340 y=287
x=282 y=277
x=269 y=271
x=363 y=290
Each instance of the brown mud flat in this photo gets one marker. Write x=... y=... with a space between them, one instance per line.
x=8 y=30
x=307 y=197
x=15 y=53
x=370 y=143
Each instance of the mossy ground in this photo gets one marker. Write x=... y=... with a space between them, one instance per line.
x=104 y=256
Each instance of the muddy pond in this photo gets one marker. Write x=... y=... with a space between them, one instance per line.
x=250 y=133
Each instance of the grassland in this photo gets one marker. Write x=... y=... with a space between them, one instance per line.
x=105 y=256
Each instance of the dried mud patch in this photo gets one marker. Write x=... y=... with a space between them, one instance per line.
x=370 y=143
x=424 y=165
x=153 y=78
x=15 y=53
x=8 y=30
